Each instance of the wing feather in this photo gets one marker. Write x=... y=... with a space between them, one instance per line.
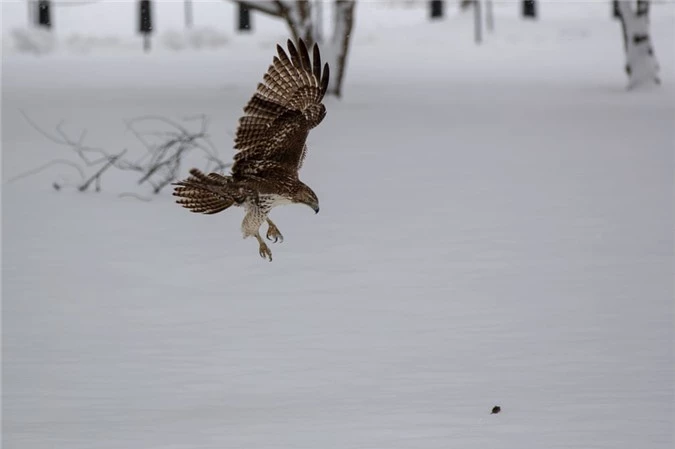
x=304 y=55
x=316 y=59
x=282 y=111
x=295 y=56
x=324 y=79
x=286 y=67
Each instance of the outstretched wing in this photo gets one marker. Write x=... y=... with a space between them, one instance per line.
x=284 y=108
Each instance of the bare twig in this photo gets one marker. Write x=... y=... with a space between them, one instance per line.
x=96 y=176
x=134 y=195
x=270 y=8
x=159 y=163
x=41 y=168
x=158 y=118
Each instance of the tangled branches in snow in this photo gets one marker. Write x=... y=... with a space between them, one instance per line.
x=164 y=149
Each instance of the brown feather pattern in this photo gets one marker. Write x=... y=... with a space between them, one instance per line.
x=206 y=194
x=284 y=108
x=271 y=142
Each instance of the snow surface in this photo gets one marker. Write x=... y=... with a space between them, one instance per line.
x=496 y=227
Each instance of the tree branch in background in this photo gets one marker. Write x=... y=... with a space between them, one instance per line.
x=301 y=18
x=343 y=25
x=159 y=164
x=97 y=176
x=272 y=8
x=44 y=167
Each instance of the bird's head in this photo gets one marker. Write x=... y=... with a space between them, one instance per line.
x=305 y=195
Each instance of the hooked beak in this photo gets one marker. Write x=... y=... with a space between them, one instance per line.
x=312 y=205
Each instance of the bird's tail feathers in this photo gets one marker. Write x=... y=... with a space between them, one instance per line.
x=205 y=194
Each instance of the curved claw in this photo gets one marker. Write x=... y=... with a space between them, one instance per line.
x=273 y=233
x=265 y=253
x=277 y=238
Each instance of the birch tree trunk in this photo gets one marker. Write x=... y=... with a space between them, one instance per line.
x=301 y=17
x=641 y=64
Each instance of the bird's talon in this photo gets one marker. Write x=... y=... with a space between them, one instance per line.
x=265 y=252
x=273 y=233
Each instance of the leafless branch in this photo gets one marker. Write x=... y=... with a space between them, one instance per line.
x=134 y=195
x=61 y=138
x=163 y=147
x=97 y=176
x=272 y=8
x=41 y=168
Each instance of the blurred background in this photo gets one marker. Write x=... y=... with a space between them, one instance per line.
x=496 y=228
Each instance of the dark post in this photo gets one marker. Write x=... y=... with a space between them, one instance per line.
x=489 y=18
x=32 y=15
x=44 y=18
x=616 y=13
x=244 y=18
x=436 y=8
x=145 y=22
x=530 y=8
x=188 y=14
x=477 y=22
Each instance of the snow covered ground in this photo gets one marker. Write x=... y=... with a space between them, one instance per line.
x=496 y=227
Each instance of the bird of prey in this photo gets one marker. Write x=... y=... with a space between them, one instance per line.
x=271 y=142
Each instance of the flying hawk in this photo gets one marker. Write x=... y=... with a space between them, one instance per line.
x=270 y=140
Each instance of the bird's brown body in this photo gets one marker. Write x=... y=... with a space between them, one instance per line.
x=271 y=140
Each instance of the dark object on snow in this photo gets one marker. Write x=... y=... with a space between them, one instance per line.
x=44 y=17
x=244 y=18
x=616 y=14
x=530 y=8
x=145 y=22
x=477 y=22
x=496 y=409
x=145 y=16
x=436 y=9
x=187 y=6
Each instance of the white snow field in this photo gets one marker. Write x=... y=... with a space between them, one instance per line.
x=496 y=228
